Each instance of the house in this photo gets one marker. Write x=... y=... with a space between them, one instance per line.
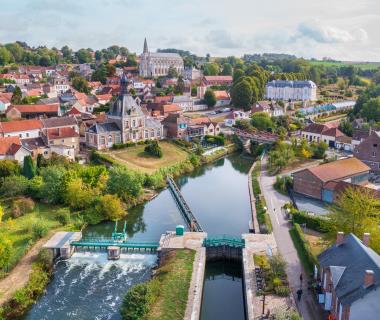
x=222 y=98
x=175 y=126
x=312 y=182
x=191 y=74
x=322 y=132
x=211 y=128
x=5 y=101
x=63 y=141
x=60 y=84
x=217 y=81
x=162 y=110
x=291 y=90
x=103 y=135
x=350 y=273
x=185 y=102
x=344 y=143
x=261 y=106
x=234 y=116
x=31 y=111
x=163 y=99
x=11 y=148
x=358 y=135
x=103 y=98
x=21 y=128
x=368 y=151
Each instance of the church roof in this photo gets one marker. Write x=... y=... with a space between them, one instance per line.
x=165 y=55
x=125 y=105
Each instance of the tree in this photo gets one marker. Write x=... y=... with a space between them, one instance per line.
x=79 y=83
x=241 y=95
x=136 y=302
x=100 y=74
x=1 y=214
x=371 y=109
x=238 y=74
x=9 y=168
x=262 y=121
x=346 y=127
x=154 y=149
x=14 y=186
x=110 y=207
x=180 y=86
x=125 y=183
x=5 y=251
x=210 y=98
x=319 y=149
x=84 y=56
x=16 y=96
x=53 y=188
x=227 y=70
x=78 y=196
x=210 y=69
x=172 y=72
x=5 y=56
x=357 y=211
x=29 y=169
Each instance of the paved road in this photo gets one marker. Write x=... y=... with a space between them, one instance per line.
x=307 y=307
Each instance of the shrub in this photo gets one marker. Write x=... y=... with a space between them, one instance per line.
x=136 y=302
x=282 y=291
x=45 y=259
x=155 y=180
x=282 y=183
x=14 y=186
x=277 y=265
x=154 y=149
x=22 y=206
x=39 y=229
x=312 y=222
x=63 y=216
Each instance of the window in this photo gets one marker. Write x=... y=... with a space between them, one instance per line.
x=134 y=123
x=152 y=134
x=20 y=135
x=109 y=139
x=102 y=140
x=146 y=134
x=118 y=138
x=126 y=124
x=373 y=153
x=51 y=141
x=158 y=133
x=27 y=135
x=63 y=140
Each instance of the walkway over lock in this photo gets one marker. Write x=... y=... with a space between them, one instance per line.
x=104 y=243
x=183 y=206
x=224 y=240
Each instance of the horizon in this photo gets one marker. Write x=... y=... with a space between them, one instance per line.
x=220 y=28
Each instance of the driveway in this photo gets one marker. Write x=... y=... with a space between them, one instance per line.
x=307 y=307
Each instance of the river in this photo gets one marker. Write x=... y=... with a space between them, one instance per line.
x=88 y=286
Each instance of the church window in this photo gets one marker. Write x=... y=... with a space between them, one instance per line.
x=134 y=123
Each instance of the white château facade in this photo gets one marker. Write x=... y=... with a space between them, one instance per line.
x=158 y=64
x=291 y=90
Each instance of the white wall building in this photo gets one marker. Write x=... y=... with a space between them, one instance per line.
x=291 y=90
x=158 y=64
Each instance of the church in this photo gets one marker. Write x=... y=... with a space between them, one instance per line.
x=126 y=122
x=157 y=64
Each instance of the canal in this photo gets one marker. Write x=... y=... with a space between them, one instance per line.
x=88 y=286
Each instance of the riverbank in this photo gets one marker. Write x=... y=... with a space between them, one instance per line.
x=165 y=295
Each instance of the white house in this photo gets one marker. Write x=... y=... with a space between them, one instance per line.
x=11 y=148
x=235 y=115
x=185 y=102
x=291 y=90
x=21 y=128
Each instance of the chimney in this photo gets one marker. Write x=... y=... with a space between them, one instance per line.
x=339 y=238
x=366 y=237
x=369 y=278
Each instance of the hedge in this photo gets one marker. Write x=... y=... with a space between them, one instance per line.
x=312 y=222
x=305 y=254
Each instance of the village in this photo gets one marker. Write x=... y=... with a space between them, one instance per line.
x=96 y=139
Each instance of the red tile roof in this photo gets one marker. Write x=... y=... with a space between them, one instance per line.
x=163 y=99
x=171 y=108
x=20 y=125
x=35 y=108
x=218 y=78
x=221 y=95
x=61 y=133
x=9 y=145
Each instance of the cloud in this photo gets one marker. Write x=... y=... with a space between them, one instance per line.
x=223 y=40
x=323 y=33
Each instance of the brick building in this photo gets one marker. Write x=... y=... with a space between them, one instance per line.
x=368 y=151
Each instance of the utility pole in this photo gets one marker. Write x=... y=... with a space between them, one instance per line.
x=263 y=312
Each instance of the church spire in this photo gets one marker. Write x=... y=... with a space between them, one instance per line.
x=145 y=46
x=124 y=84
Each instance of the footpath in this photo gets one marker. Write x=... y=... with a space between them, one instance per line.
x=308 y=306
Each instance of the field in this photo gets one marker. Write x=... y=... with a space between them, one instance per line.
x=19 y=231
x=360 y=65
x=136 y=158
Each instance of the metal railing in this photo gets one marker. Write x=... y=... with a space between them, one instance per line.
x=224 y=240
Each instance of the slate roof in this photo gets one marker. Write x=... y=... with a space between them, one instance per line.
x=152 y=123
x=104 y=128
x=291 y=84
x=59 y=122
x=124 y=105
x=355 y=258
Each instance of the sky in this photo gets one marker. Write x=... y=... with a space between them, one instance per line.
x=339 y=29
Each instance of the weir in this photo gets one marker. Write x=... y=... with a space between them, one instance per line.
x=183 y=206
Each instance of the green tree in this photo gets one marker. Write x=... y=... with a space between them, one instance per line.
x=357 y=212
x=83 y=56
x=238 y=74
x=100 y=74
x=13 y=186
x=1 y=214
x=371 y=109
x=172 y=72
x=346 y=127
x=29 y=169
x=110 y=207
x=319 y=149
x=180 y=86
x=5 y=56
x=9 y=168
x=241 y=95
x=16 y=96
x=53 y=188
x=154 y=149
x=210 y=98
x=210 y=69
x=227 y=69
x=127 y=184
x=136 y=302
x=262 y=121
x=5 y=251
x=79 y=83
x=78 y=196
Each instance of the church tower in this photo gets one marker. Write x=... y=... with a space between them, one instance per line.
x=145 y=47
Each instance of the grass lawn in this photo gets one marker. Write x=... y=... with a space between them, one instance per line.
x=363 y=65
x=19 y=230
x=174 y=281
x=332 y=118
x=136 y=158
x=316 y=241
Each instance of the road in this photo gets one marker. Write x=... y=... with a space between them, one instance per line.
x=307 y=307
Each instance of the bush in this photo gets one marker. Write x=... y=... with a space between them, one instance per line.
x=136 y=302
x=39 y=229
x=14 y=186
x=277 y=265
x=63 y=216
x=312 y=222
x=45 y=259
x=154 y=149
x=282 y=291
x=22 y=206
x=282 y=183
x=155 y=180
